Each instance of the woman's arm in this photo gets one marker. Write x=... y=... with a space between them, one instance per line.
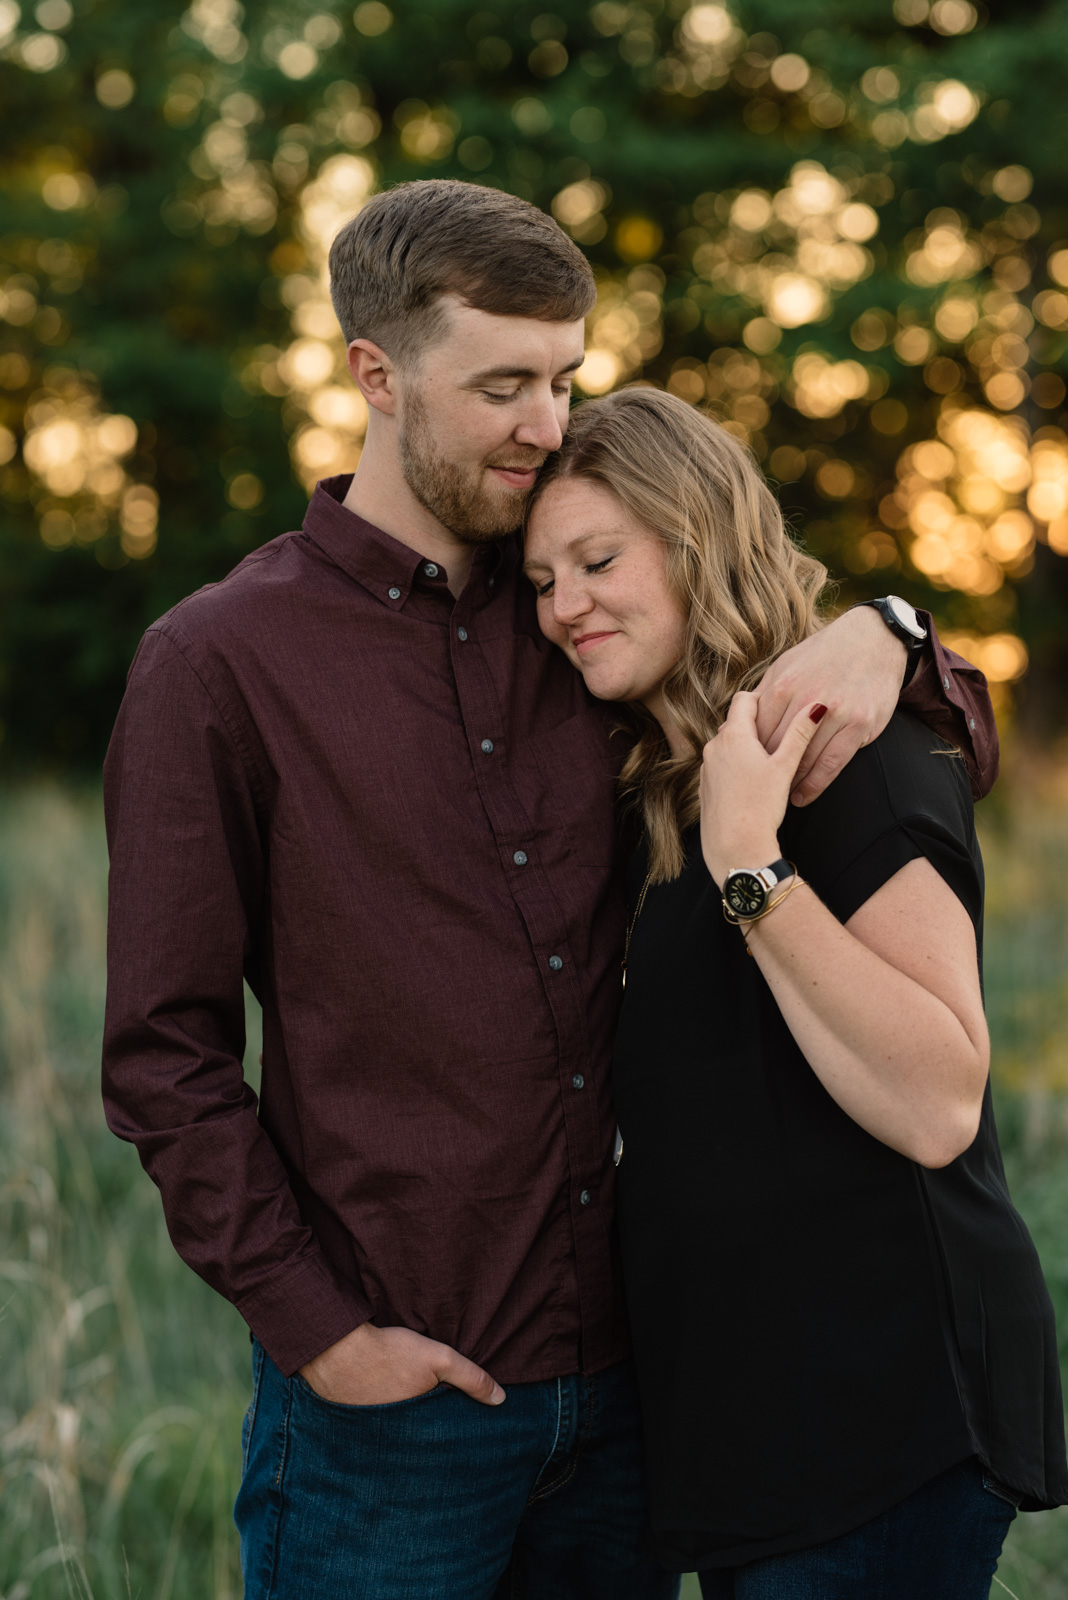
x=887 y=1010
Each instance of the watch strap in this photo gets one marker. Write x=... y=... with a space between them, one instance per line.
x=886 y=611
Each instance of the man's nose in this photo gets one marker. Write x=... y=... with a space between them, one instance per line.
x=541 y=426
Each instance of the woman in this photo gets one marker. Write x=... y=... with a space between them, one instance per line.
x=844 y=1343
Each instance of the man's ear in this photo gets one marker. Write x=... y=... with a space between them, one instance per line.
x=373 y=374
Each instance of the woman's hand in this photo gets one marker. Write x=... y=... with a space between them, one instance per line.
x=744 y=790
x=855 y=663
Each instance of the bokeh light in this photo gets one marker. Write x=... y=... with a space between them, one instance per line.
x=853 y=261
x=327 y=416
x=76 y=453
x=976 y=498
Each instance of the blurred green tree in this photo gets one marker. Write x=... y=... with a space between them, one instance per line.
x=842 y=228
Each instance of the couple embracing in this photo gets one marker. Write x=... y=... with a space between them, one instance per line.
x=559 y=1288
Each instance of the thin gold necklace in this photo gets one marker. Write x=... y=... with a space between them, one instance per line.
x=633 y=920
x=617 y=1154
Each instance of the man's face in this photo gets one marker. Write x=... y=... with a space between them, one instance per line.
x=480 y=411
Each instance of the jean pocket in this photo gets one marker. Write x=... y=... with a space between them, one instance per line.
x=992 y=1486
x=250 y=1415
x=340 y=1408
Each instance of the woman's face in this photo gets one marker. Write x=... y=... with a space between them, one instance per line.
x=603 y=593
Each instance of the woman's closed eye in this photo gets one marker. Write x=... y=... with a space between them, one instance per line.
x=589 y=567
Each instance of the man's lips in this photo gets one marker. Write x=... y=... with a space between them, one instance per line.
x=586 y=641
x=516 y=477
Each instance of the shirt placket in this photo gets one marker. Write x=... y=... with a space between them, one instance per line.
x=529 y=882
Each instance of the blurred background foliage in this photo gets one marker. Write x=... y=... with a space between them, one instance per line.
x=842 y=227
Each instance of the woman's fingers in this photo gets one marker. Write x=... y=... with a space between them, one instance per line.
x=740 y=719
x=799 y=736
x=828 y=754
x=742 y=711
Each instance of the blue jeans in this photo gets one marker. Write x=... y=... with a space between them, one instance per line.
x=440 y=1498
x=941 y=1543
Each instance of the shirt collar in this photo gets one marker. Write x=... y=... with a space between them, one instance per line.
x=383 y=565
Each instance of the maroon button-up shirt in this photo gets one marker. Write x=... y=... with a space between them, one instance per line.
x=393 y=812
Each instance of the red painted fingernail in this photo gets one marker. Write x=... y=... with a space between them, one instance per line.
x=818 y=713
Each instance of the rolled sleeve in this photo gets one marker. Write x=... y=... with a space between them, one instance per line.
x=951 y=697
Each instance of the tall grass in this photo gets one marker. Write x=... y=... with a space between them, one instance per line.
x=125 y=1378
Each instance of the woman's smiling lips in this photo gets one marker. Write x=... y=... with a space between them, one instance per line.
x=585 y=641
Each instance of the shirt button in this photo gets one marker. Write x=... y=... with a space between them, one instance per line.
x=585 y=1197
x=461 y=634
x=971 y=723
x=431 y=570
x=945 y=680
x=487 y=747
x=555 y=963
x=520 y=858
x=578 y=1081
x=394 y=593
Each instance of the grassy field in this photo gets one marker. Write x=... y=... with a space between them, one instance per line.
x=125 y=1378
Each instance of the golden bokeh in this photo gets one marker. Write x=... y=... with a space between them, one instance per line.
x=754 y=290
x=75 y=452
x=326 y=416
x=975 y=499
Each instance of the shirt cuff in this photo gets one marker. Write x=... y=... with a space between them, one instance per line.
x=950 y=695
x=301 y=1312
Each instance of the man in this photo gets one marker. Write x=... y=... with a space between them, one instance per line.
x=355 y=772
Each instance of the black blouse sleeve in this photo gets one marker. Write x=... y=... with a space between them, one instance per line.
x=904 y=796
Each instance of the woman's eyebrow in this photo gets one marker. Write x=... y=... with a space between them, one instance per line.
x=572 y=544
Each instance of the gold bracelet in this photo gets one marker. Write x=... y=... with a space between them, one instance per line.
x=794 y=883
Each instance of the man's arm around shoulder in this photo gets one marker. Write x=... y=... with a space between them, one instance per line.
x=855 y=667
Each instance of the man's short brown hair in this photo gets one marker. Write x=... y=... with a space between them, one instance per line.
x=410 y=245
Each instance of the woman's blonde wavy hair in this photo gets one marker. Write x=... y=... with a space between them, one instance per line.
x=749 y=593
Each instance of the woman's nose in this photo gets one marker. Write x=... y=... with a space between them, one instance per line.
x=570 y=601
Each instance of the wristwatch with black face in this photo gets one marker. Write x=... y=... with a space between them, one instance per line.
x=901 y=619
x=747 y=890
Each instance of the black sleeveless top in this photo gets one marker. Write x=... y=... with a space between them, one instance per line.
x=820 y=1325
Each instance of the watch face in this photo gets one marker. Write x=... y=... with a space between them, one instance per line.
x=905 y=616
x=744 y=893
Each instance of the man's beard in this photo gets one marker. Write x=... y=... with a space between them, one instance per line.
x=460 y=497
